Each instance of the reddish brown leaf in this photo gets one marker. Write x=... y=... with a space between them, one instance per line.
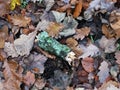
x=78 y=9
x=29 y=78
x=88 y=64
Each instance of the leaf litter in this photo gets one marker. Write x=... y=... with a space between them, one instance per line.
x=60 y=45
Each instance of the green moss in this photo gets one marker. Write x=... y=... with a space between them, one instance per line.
x=52 y=45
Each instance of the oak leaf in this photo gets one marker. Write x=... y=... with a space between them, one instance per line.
x=81 y=33
x=21 y=21
x=54 y=29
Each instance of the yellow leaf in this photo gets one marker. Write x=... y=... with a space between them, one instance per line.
x=14 y=3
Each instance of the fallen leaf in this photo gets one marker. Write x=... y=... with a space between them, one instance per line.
x=78 y=9
x=88 y=64
x=12 y=79
x=54 y=29
x=3 y=35
x=22 y=46
x=90 y=50
x=108 y=45
x=117 y=56
x=104 y=71
x=21 y=21
x=49 y=4
x=71 y=42
x=40 y=83
x=64 y=8
x=29 y=78
x=81 y=33
x=4 y=7
x=107 y=31
x=110 y=85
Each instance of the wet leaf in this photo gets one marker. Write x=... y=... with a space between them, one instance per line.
x=88 y=64
x=29 y=78
x=81 y=33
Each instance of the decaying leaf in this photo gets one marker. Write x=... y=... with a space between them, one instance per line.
x=40 y=83
x=49 y=4
x=12 y=79
x=78 y=9
x=42 y=25
x=110 y=85
x=21 y=21
x=109 y=32
x=4 y=7
x=29 y=78
x=107 y=44
x=54 y=29
x=22 y=46
x=81 y=33
x=90 y=50
x=70 y=25
x=104 y=71
x=13 y=4
x=3 y=36
x=88 y=64
x=117 y=56
x=73 y=44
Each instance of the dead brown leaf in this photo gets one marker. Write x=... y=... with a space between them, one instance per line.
x=29 y=78
x=3 y=36
x=71 y=42
x=54 y=29
x=78 y=9
x=4 y=7
x=88 y=64
x=40 y=83
x=21 y=21
x=109 y=32
x=12 y=79
x=81 y=33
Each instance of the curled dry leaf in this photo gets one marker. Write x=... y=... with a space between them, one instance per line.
x=54 y=29
x=117 y=56
x=88 y=64
x=81 y=33
x=78 y=9
x=29 y=78
x=21 y=21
